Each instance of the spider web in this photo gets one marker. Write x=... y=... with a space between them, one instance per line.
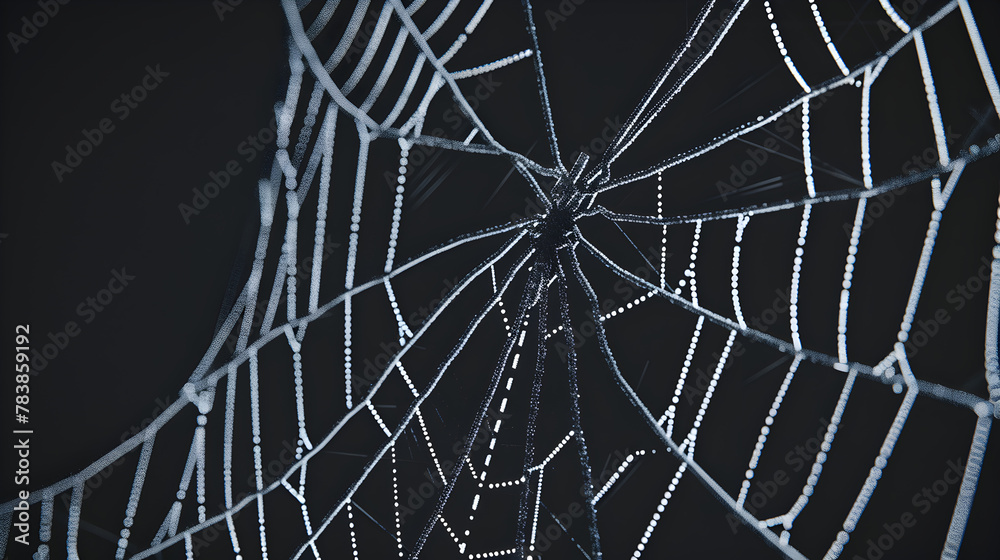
x=380 y=433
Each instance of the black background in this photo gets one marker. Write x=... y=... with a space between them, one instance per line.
x=119 y=208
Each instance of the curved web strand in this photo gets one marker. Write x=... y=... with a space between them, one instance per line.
x=318 y=447
x=463 y=104
x=881 y=461
x=946 y=394
x=698 y=471
x=788 y=519
x=307 y=158
x=908 y=379
x=542 y=87
x=587 y=491
x=413 y=407
x=821 y=25
x=664 y=99
x=985 y=68
x=168 y=534
x=524 y=307
x=894 y=16
x=992 y=329
x=792 y=69
x=623 y=133
x=992 y=147
x=608 y=182
x=528 y=505
x=970 y=478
